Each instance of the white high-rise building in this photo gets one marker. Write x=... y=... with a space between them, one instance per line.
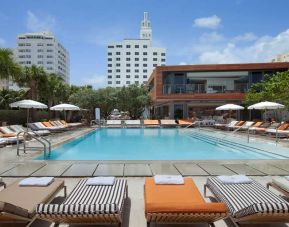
x=44 y=50
x=281 y=58
x=133 y=60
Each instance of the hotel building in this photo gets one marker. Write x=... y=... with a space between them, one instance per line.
x=133 y=60
x=281 y=58
x=44 y=50
x=185 y=91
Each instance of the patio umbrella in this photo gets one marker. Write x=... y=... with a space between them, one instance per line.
x=266 y=106
x=230 y=107
x=28 y=104
x=64 y=107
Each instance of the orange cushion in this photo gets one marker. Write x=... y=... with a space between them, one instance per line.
x=47 y=124
x=177 y=198
x=151 y=122
x=240 y=123
x=258 y=124
x=185 y=122
x=8 y=134
x=63 y=122
x=283 y=126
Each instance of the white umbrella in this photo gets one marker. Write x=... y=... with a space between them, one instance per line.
x=266 y=106
x=28 y=104
x=64 y=107
x=230 y=107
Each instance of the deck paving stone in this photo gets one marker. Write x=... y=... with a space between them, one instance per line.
x=190 y=169
x=244 y=169
x=80 y=169
x=113 y=169
x=137 y=170
x=52 y=169
x=269 y=169
x=215 y=169
x=23 y=170
x=163 y=168
x=283 y=166
x=7 y=166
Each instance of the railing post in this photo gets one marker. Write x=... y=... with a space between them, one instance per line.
x=248 y=135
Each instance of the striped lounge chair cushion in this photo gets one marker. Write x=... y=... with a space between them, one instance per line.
x=246 y=199
x=86 y=199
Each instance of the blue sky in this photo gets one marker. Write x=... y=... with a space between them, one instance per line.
x=192 y=31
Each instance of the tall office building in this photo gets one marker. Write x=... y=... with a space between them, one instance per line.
x=44 y=50
x=281 y=58
x=133 y=60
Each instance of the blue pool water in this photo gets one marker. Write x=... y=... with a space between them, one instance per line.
x=148 y=144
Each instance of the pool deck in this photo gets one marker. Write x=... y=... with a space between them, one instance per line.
x=12 y=165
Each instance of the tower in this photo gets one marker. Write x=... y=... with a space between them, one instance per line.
x=146 y=30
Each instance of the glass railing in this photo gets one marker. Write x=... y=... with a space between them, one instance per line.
x=201 y=88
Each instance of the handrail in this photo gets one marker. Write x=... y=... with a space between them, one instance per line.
x=227 y=135
x=37 y=137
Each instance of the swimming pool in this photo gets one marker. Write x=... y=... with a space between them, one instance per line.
x=151 y=144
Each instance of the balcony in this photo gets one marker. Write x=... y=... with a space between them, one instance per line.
x=202 y=89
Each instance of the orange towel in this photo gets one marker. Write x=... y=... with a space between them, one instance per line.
x=283 y=126
x=8 y=135
x=47 y=124
x=258 y=124
x=240 y=123
x=185 y=122
x=151 y=122
x=177 y=198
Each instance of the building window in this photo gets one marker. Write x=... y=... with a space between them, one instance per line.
x=110 y=47
x=127 y=53
x=40 y=62
x=163 y=64
x=109 y=76
x=127 y=76
x=144 y=76
x=109 y=59
x=155 y=53
x=136 y=82
x=118 y=82
x=117 y=53
x=118 y=64
x=109 y=53
x=109 y=82
x=49 y=50
x=128 y=65
x=145 y=70
x=155 y=59
x=163 y=54
x=127 y=82
x=136 y=76
x=145 y=65
x=163 y=60
x=40 y=44
x=49 y=44
x=109 y=71
x=145 y=46
x=136 y=65
x=145 y=53
x=128 y=70
x=118 y=59
x=40 y=56
x=109 y=65
x=117 y=70
x=118 y=46
x=136 y=70
x=127 y=46
x=117 y=76
x=136 y=53
x=155 y=65
x=136 y=59
x=145 y=59
x=136 y=46
x=128 y=59
x=40 y=50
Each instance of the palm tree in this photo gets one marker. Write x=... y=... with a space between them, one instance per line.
x=8 y=68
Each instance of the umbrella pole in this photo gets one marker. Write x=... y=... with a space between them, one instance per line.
x=27 y=119
x=65 y=115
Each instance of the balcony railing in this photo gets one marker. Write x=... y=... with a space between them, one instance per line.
x=201 y=88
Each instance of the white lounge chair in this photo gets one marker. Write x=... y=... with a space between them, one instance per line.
x=113 y=124
x=132 y=123
x=168 y=123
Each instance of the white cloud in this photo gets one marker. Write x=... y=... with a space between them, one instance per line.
x=261 y=50
x=97 y=81
x=211 y=22
x=2 y=42
x=211 y=37
x=247 y=37
x=43 y=23
x=182 y=63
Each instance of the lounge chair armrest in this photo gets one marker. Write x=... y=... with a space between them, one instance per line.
x=269 y=207
x=13 y=209
x=76 y=209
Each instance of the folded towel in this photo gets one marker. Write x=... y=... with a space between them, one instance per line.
x=36 y=181
x=286 y=177
x=235 y=179
x=100 y=181
x=168 y=179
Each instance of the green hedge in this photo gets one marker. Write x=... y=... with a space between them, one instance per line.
x=20 y=116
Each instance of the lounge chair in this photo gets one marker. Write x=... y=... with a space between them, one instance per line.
x=249 y=202
x=113 y=124
x=233 y=127
x=259 y=127
x=88 y=204
x=185 y=122
x=178 y=204
x=223 y=126
x=168 y=123
x=263 y=130
x=280 y=184
x=18 y=203
x=246 y=125
x=132 y=123
x=39 y=126
x=151 y=123
x=19 y=128
x=74 y=124
x=281 y=131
